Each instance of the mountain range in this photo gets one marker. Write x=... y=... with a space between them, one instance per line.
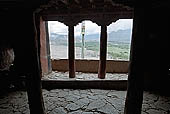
x=123 y=36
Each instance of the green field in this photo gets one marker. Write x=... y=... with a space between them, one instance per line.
x=115 y=50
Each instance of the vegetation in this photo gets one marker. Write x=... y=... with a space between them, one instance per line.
x=118 y=46
x=116 y=50
x=119 y=50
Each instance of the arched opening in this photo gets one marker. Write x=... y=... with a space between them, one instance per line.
x=87 y=35
x=58 y=35
x=119 y=40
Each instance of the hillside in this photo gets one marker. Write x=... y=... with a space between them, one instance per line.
x=122 y=36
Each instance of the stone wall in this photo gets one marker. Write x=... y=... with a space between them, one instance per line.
x=6 y=58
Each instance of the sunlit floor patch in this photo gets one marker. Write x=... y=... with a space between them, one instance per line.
x=84 y=76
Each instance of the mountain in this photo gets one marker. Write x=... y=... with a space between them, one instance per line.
x=55 y=36
x=90 y=37
x=123 y=36
x=120 y=36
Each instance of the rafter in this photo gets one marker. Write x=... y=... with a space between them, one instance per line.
x=91 y=1
x=110 y=1
x=77 y=1
x=64 y=2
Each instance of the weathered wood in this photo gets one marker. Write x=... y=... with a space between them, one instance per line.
x=45 y=48
x=48 y=47
x=111 y=2
x=86 y=10
x=33 y=83
x=64 y=2
x=134 y=96
x=77 y=1
x=103 y=52
x=91 y=1
x=71 y=51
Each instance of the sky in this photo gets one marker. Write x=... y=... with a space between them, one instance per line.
x=90 y=27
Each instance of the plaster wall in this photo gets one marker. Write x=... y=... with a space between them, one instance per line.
x=112 y=66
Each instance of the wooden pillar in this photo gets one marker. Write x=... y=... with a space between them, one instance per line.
x=45 y=48
x=71 y=52
x=134 y=96
x=48 y=48
x=103 y=52
x=33 y=67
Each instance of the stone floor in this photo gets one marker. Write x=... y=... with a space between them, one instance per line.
x=88 y=101
x=84 y=76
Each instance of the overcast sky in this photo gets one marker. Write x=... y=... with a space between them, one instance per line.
x=90 y=27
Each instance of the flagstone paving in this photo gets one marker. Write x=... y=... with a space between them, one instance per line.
x=88 y=101
x=84 y=76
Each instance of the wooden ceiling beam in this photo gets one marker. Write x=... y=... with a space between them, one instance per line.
x=91 y=1
x=96 y=18
x=64 y=2
x=84 y=11
x=110 y=1
x=77 y=1
x=125 y=14
x=85 y=3
x=88 y=9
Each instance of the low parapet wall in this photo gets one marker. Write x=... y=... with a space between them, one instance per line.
x=112 y=66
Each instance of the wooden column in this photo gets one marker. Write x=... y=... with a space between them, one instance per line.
x=71 y=52
x=134 y=96
x=33 y=67
x=48 y=48
x=103 y=52
x=44 y=48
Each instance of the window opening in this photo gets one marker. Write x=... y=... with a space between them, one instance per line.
x=119 y=40
x=58 y=33
x=90 y=32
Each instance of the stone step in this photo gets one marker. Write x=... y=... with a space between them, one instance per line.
x=85 y=84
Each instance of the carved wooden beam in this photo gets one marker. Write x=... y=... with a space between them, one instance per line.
x=88 y=11
x=110 y=17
